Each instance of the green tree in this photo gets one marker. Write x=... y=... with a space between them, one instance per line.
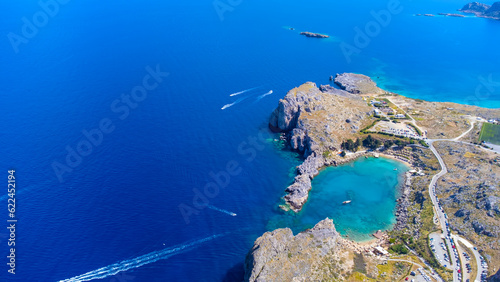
x=399 y=249
x=388 y=143
x=400 y=143
x=371 y=142
x=350 y=145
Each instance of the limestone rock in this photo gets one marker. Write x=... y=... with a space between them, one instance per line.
x=280 y=256
x=314 y=121
x=357 y=83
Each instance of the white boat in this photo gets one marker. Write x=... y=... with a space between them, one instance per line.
x=346 y=202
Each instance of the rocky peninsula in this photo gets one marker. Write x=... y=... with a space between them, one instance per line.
x=483 y=10
x=315 y=122
x=316 y=254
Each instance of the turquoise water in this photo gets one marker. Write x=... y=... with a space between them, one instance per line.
x=371 y=186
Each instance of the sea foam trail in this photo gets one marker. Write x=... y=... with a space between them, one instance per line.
x=221 y=210
x=235 y=102
x=244 y=91
x=125 y=265
x=264 y=95
x=229 y=105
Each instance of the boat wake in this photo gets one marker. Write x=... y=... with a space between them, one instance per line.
x=221 y=210
x=264 y=95
x=234 y=103
x=125 y=265
x=245 y=97
x=228 y=105
x=244 y=91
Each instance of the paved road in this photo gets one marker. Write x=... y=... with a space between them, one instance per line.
x=440 y=213
x=463 y=261
x=495 y=148
x=441 y=216
x=443 y=219
x=480 y=268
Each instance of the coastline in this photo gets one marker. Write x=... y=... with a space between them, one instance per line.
x=324 y=124
x=401 y=190
x=388 y=156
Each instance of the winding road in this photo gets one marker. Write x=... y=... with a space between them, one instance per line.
x=442 y=218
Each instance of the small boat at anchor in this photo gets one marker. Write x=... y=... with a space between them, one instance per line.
x=346 y=202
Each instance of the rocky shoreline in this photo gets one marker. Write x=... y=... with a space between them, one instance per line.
x=312 y=255
x=483 y=10
x=315 y=35
x=315 y=122
x=478 y=9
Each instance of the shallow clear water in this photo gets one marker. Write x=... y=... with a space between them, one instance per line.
x=370 y=184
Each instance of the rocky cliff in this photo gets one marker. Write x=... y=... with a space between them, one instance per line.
x=317 y=254
x=280 y=256
x=316 y=121
x=483 y=10
x=357 y=84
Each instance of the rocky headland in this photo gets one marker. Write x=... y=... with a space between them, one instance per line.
x=316 y=121
x=483 y=10
x=316 y=254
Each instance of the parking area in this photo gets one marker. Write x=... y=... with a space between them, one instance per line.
x=466 y=268
x=400 y=128
x=484 y=267
x=438 y=247
x=455 y=257
x=419 y=275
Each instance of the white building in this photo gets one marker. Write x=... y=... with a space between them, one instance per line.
x=399 y=116
x=381 y=251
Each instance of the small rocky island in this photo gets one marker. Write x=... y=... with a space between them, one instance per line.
x=311 y=34
x=483 y=10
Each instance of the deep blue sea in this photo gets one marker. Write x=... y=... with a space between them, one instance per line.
x=70 y=69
